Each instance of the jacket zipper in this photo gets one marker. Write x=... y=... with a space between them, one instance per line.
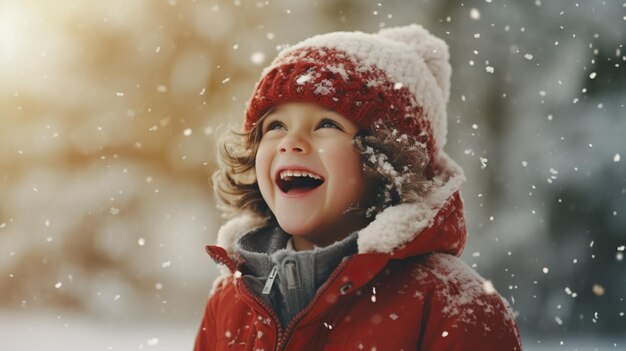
x=265 y=307
x=283 y=336
x=230 y=264
x=282 y=341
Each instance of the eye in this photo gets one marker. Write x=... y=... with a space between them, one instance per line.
x=329 y=123
x=274 y=125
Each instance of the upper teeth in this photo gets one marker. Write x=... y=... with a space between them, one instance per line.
x=288 y=173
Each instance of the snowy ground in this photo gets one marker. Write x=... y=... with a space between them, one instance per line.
x=49 y=332
x=20 y=332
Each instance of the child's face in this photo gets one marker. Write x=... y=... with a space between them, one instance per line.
x=310 y=204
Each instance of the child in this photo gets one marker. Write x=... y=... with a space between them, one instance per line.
x=348 y=215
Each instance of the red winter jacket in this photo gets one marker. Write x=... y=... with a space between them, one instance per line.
x=404 y=290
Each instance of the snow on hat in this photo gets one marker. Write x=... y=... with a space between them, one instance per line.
x=399 y=75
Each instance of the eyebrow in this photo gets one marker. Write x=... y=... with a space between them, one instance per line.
x=266 y=116
x=271 y=113
x=281 y=107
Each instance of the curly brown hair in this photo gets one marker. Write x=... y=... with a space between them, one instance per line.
x=395 y=162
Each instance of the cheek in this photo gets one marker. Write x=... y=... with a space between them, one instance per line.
x=262 y=166
x=347 y=164
x=348 y=161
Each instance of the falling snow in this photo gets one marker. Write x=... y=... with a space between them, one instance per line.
x=103 y=170
x=474 y=14
x=257 y=58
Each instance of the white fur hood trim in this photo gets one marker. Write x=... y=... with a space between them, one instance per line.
x=391 y=229
x=400 y=224
x=232 y=230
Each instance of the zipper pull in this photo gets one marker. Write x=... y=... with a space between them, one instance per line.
x=270 y=281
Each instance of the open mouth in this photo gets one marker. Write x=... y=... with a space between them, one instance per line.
x=298 y=181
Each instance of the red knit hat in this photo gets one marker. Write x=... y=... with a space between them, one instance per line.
x=400 y=76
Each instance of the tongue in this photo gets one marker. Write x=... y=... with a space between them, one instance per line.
x=300 y=190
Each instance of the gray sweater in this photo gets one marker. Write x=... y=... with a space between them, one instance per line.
x=297 y=274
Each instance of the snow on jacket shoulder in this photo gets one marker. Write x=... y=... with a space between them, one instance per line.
x=404 y=290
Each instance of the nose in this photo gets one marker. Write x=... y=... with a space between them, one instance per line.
x=293 y=143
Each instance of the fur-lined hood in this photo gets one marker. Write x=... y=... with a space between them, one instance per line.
x=396 y=230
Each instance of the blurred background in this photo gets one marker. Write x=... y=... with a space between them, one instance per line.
x=108 y=116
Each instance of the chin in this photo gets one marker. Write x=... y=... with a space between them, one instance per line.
x=294 y=228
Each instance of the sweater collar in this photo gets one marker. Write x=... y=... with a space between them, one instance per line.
x=265 y=247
